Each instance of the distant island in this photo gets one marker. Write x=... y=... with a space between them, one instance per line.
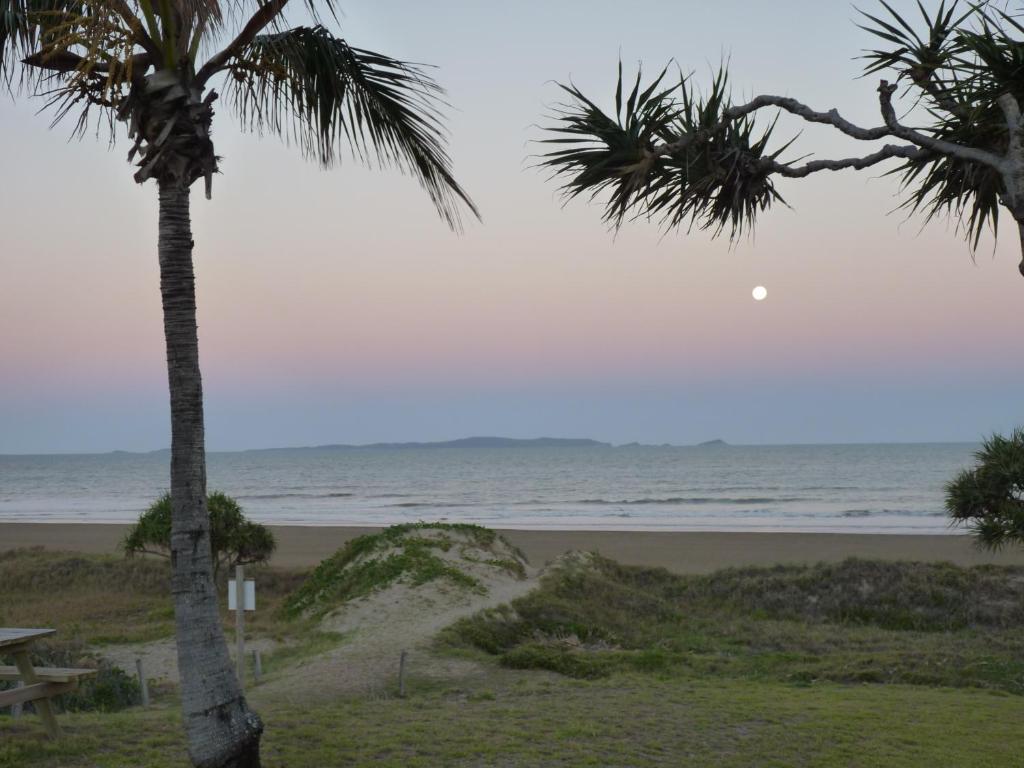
x=465 y=442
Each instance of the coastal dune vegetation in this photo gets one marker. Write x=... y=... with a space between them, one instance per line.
x=858 y=621
x=591 y=662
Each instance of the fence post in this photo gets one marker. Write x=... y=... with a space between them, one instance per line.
x=401 y=675
x=143 y=684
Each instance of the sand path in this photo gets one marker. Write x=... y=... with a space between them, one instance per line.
x=378 y=628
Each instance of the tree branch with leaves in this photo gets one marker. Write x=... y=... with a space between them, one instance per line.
x=690 y=158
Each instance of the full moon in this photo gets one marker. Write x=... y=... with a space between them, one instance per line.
x=760 y=293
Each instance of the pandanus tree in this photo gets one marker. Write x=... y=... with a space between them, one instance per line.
x=989 y=498
x=694 y=157
x=152 y=65
x=234 y=538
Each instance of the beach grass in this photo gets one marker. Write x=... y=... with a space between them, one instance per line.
x=852 y=622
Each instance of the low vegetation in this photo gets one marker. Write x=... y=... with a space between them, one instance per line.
x=414 y=554
x=106 y=599
x=87 y=598
x=858 y=621
x=96 y=601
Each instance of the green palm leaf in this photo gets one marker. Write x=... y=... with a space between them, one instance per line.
x=718 y=179
x=308 y=85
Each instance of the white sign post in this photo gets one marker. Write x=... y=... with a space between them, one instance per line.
x=241 y=593
x=250 y=595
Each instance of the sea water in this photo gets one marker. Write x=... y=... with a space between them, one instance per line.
x=842 y=488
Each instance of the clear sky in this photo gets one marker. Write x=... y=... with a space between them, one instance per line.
x=336 y=307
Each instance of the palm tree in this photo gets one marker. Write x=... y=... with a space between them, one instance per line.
x=692 y=159
x=151 y=65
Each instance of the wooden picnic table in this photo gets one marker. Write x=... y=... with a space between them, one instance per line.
x=40 y=683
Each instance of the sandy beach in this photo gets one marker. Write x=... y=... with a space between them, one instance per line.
x=682 y=552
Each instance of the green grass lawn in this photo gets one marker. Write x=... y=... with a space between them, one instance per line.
x=537 y=719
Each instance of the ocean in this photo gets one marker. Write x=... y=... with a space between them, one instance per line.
x=895 y=488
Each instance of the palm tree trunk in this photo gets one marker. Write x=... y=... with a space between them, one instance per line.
x=222 y=732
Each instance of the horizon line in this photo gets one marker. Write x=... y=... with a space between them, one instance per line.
x=413 y=444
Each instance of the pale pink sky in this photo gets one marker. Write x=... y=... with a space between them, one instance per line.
x=335 y=307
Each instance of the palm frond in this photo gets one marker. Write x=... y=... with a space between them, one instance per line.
x=668 y=152
x=25 y=23
x=14 y=32
x=77 y=54
x=964 y=58
x=928 y=60
x=995 y=64
x=309 y=86
x=967 y=192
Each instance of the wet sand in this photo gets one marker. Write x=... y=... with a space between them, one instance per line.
x=682 y=552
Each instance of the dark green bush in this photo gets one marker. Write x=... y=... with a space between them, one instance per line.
x=111 y=690
x=234 y=540
x=989 y=499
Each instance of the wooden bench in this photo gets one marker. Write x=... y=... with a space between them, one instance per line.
x=49 y=674
x=40 y=684
x=53 y=681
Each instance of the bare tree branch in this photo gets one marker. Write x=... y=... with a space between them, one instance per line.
x=908 y=152
x=885 y=92
x=832 y=117
x=266 y=14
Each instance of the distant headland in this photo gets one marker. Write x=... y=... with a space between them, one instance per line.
x=465 y=442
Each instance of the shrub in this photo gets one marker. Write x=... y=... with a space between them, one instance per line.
x=234 y=540
x=989 y=499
